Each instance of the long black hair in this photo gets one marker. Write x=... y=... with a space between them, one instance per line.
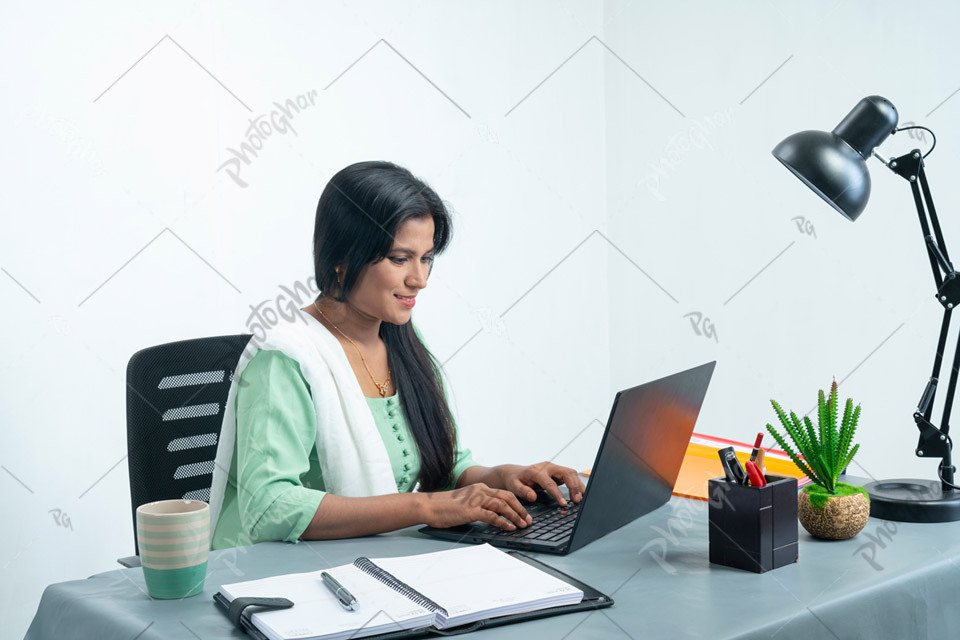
x=358 y=215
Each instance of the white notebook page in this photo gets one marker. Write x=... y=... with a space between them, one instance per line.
x=478 y=582
x=317 y=612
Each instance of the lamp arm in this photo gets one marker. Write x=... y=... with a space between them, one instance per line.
x=928 y=198
x=910 y=167
x=937 y=252
x=934 y=442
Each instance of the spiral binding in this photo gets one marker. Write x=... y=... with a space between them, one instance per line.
x=371 y=569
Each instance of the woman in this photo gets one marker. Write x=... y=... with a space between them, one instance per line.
x=333 y=423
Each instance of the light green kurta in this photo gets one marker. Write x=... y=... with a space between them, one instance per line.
x=275 y=461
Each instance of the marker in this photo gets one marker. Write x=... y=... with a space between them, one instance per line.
x=347 y=601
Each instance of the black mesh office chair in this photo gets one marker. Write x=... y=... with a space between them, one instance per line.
x=176 y=393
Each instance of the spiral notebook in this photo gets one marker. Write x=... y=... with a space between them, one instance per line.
x=457 y=590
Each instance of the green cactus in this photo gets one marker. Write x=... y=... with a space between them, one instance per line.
x=823 y=453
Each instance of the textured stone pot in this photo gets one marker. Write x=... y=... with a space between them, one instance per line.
x=842 y=517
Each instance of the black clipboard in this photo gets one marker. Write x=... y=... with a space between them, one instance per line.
x=592 y=599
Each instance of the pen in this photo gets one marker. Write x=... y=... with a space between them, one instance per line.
x=756 y=447
x=347 y=601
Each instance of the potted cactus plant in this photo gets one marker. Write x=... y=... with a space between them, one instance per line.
x=827 y=508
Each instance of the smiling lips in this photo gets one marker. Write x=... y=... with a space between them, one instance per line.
x=407 y=301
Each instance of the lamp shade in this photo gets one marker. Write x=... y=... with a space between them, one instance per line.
x=834 y=165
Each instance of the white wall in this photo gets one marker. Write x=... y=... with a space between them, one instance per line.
x=571 y=270
x=704 y=207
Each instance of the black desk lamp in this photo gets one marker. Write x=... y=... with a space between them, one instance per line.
x=834 y=165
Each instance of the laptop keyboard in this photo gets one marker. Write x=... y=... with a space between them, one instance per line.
x=550 y=524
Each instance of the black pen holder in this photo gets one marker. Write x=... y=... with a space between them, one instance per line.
x=753 y=528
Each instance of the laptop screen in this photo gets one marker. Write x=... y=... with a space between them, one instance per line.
x=642 y=450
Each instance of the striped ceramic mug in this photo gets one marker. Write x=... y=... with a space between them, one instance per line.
x=174 y=541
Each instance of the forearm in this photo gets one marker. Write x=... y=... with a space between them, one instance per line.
x=342 y=517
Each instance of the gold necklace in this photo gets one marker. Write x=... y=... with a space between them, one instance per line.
x=382 y=388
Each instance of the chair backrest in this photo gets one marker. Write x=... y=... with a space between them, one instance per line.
x=176 y=394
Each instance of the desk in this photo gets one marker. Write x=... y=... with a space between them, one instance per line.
x=894 y=580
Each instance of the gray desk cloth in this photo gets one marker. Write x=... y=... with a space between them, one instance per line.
x=893 y=580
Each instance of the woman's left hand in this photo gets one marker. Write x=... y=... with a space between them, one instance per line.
x=546 y=475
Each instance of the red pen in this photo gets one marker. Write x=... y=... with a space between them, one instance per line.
x=756 y=447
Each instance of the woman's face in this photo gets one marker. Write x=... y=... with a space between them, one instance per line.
x=403 y=273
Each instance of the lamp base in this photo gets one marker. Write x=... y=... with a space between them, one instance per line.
x=909 y=500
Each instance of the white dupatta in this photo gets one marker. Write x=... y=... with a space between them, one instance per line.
x=353 y=457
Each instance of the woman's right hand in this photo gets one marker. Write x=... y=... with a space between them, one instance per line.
x=471 y=503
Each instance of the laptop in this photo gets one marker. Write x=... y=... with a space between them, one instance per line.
x=635 y=470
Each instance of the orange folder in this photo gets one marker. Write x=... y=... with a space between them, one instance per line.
x=701 y=463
